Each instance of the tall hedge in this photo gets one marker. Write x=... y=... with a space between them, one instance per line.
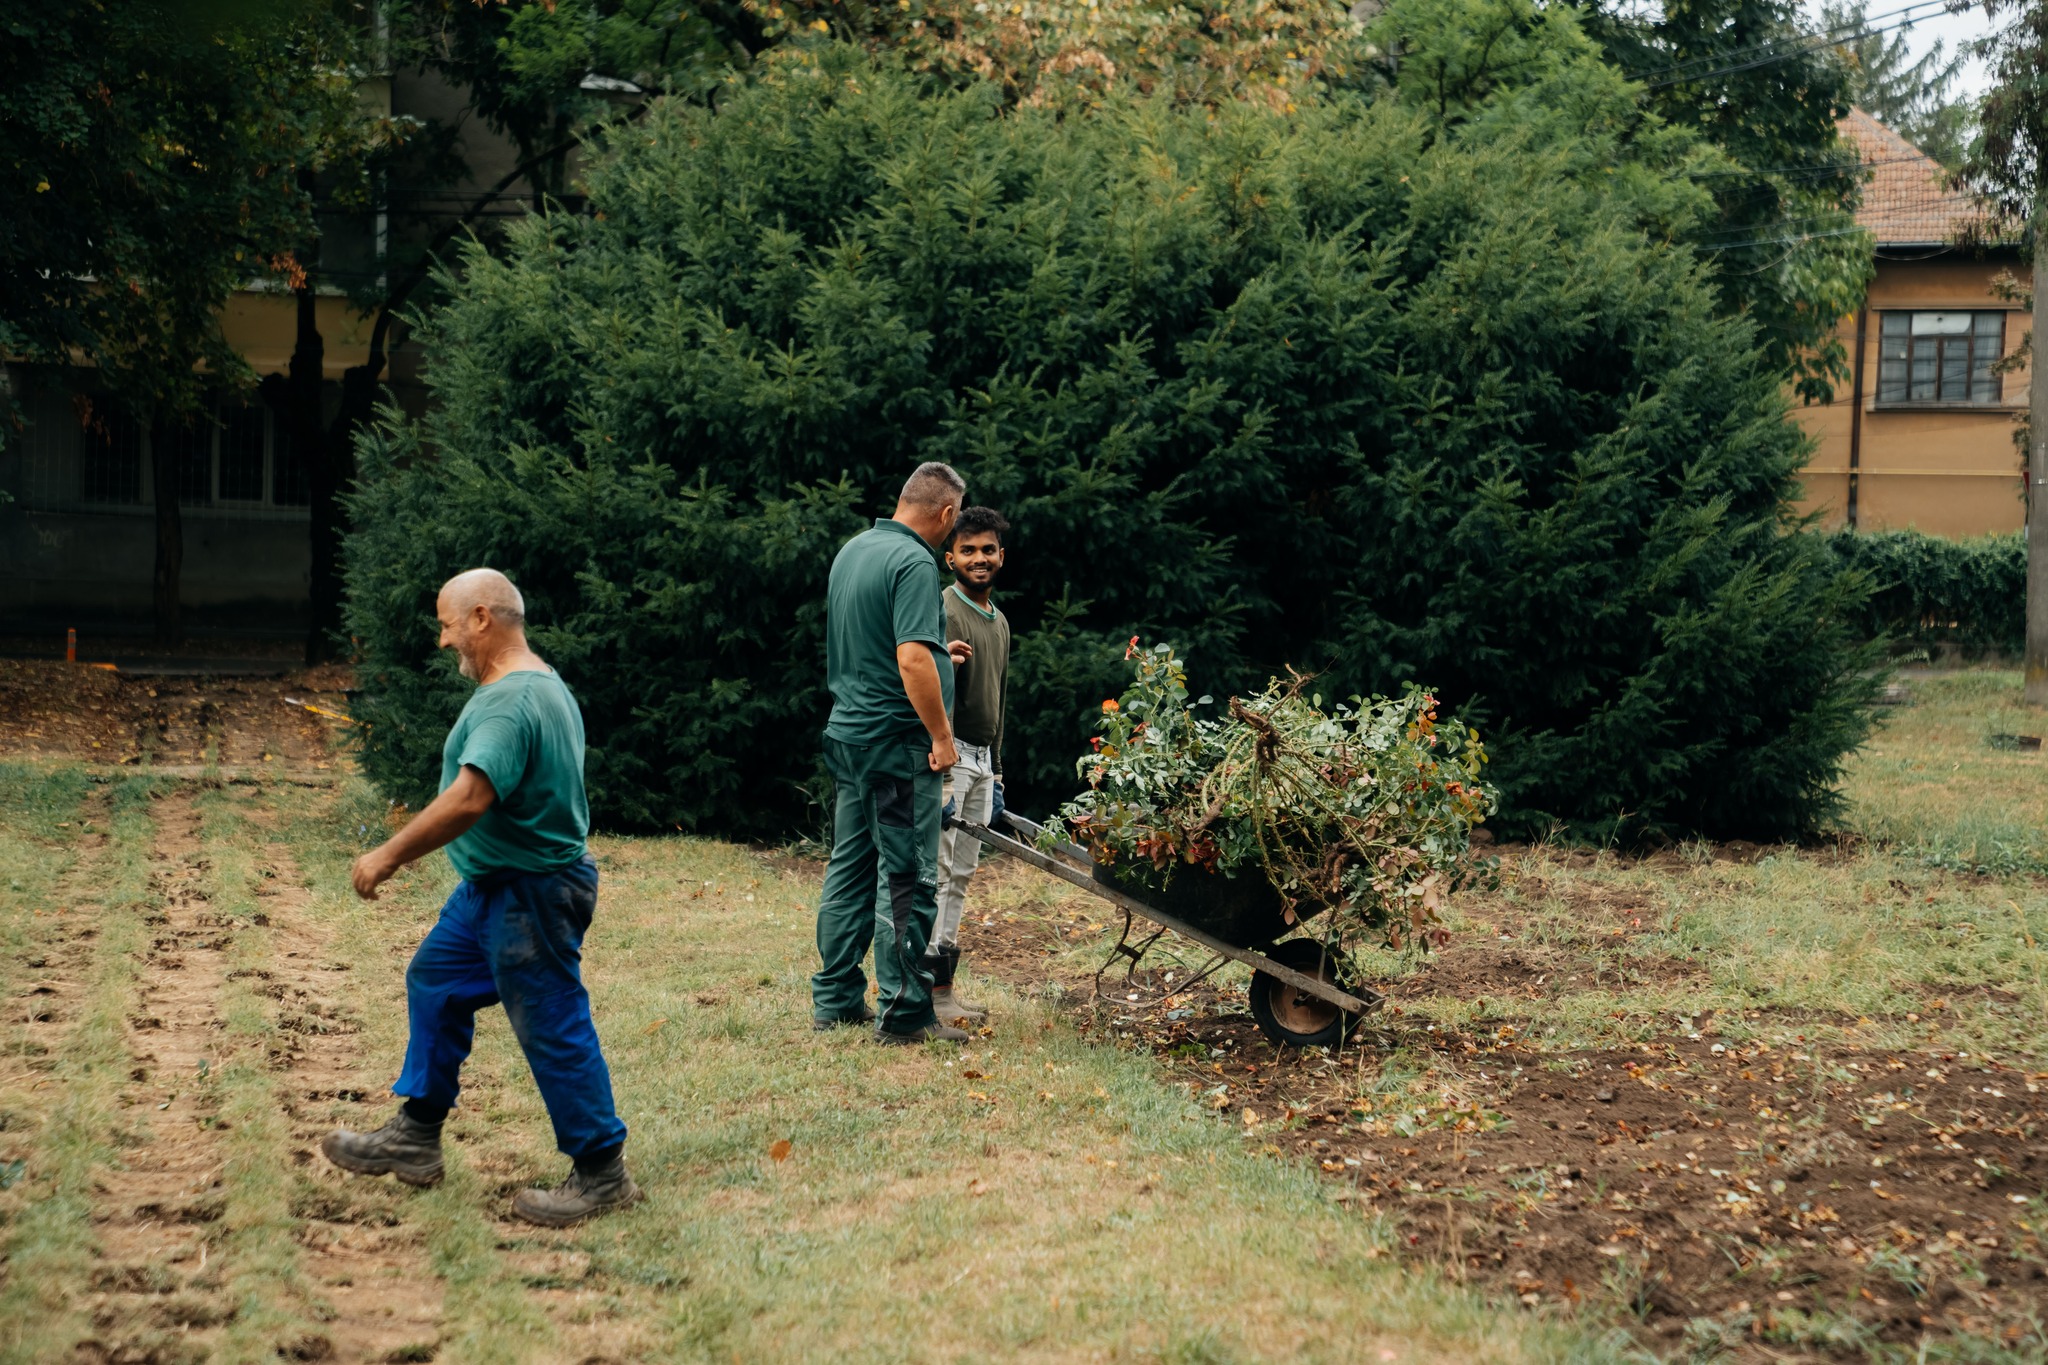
x=1928 y=592
x=1409 y=388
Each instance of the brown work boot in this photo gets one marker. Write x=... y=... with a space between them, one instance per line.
x=579 y=1197
x=930 y=1033
x=404 y=1147
x=946 y=1002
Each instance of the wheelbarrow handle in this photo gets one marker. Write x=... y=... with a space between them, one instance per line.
x=1082 y=876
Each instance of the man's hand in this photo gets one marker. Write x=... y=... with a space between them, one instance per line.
x=943 y=755
x=444 y=819
x=371 y=871
x=959 y=651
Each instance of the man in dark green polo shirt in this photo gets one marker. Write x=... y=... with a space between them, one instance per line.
x=888 y=745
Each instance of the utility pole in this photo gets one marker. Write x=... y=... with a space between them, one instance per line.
x=2037 y=471
x=2005 y=165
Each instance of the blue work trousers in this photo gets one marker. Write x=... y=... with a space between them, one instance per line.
x=514 y=938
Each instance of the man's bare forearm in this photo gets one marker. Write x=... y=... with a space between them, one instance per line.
x=444 y=820
x=921 y=683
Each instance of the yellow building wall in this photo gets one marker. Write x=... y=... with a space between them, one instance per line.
x=263 y=326
x=1948 y=470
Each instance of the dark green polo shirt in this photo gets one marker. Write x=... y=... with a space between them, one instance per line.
x=884 y=592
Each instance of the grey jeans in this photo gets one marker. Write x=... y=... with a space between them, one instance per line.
x=973 y=790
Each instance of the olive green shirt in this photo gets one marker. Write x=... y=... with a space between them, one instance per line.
x=525 y=733
x=979 y=685
x=884 y=592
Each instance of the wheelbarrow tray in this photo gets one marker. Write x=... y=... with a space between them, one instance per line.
x=1247 y=911
x=1071 y=863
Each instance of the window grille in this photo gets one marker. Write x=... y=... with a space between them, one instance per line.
x=232 y=462
x=289 y=484
x=242 y=454
x=1940 y=357
x=191 y=450
x=110 y=463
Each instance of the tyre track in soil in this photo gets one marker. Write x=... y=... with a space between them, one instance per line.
x=48 y=1102
x=161 y=1290
x=58 y=966
x=359 y=1253
x=158 y=1290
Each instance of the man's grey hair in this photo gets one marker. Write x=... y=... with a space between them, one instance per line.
x=487 y=588
x=932 y=484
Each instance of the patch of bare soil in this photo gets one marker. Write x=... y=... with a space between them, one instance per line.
x=58 y=961
x=161 y=1292
x=1734 y=1187
x=60 y=710
x=366 y=1262
x=158 y=1211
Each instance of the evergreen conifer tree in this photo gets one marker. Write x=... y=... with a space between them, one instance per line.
x=1412 y=387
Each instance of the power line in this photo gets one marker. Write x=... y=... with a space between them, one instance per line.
x=1784 y=48
x=1848 y=32
x=1813 y=46
x=1781 y=241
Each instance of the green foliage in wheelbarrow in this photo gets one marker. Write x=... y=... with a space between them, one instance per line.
x=1365 y=810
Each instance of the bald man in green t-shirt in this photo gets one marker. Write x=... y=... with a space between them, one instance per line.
x=513 y=817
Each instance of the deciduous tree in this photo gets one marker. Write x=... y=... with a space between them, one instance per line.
x=152 y=152
x=1755 y=79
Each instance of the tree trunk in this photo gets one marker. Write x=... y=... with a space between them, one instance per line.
x=170 y=539
x=358 y=409
x=2037 y=474
x=309 y=445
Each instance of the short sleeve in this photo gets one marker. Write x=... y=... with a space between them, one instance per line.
x=920 y=615
x=499 y=747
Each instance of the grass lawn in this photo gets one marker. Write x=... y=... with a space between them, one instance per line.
x=1719 y=1103
x=198 y=999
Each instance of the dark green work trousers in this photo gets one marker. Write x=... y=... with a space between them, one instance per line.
x=881 y=886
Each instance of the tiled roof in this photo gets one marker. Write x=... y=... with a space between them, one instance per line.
x=1907 y=201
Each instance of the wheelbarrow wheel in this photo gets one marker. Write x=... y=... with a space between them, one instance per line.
x=1290 y=1015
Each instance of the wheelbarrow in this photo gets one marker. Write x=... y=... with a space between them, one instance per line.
x=1301 y=993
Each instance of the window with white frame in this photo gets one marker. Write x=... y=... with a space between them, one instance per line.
x=236 y=456
x=1946 y=357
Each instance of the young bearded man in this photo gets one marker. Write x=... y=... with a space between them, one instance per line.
x=979 y=692
x=888 y=745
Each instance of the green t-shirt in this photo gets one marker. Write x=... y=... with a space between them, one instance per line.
x=525 y=733
x=884 y=592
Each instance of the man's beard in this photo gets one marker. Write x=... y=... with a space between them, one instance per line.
x=465 y=664
x=964 y=581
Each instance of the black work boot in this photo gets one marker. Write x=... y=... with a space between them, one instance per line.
x=404 y=1147
x=945 y=1003
x=585 y=1194
x=821 y=1023
x=930 y=1033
